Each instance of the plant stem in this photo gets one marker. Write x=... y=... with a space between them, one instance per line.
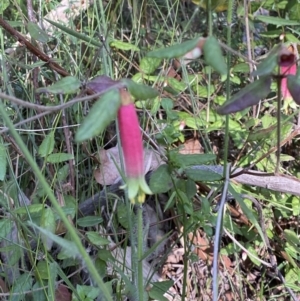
x=219 y=224
x=140 y=248
x=278 y=123
x=218 y=233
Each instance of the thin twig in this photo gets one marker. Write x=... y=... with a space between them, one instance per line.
x=49 y=109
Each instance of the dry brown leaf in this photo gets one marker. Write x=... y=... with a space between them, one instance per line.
x=175 y=256
x=108 y=172
x=203 y=248
x=62 y=293
x=227 y=263
x=3 y=287
x=191 y=146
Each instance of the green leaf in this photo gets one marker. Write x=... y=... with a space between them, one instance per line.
x=37 y=33
x=177 y=85
x=213 y=55
x=249 y=214
x=122 y=215
x=76 y=34
x=276 y=20
x=97 y=239
x=21 y=285
x=292 y=237
x=201 y=175
x=3 y=5
x=123 y=45
x=3 y=161
x=47 y=223
x=159 y=289
x=139 y=91
x=5 y=227
x=241 y=68
x=104 y=111
x=167 y=104
x=182 y=160
x=247 y=97
x=47 y=145
x=149 y=64
x=42 y=268
x=252 y=251
x=294 y=12
x=89 y=221
x=66 y=85
x=161 y=181
x=35 y=208
x=63 y=173
x=174 y=51
x=69 y=248
x=59 y=157
x=268 y=64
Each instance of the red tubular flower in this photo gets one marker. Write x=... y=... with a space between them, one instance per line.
x=288 y=65
x=132 y=146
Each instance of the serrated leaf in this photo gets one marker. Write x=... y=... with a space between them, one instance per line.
x=177 y=85
x=103 y=112
x=97 y=239
x=66 y=85
x=247 y=97
x=174 y=51
x=200 y=175
x=76 y=34
x=34 y=208
x=213 y=55
x=89 y=221
x=37 y=33
x=47 y=145
x=161 y=181
x=59 y=157
x=47 y=223
x=139 y=91
x=3 y=161
x=149 y=64
x=123 y=45
x=275 y=20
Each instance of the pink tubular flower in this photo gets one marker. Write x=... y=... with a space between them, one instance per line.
x=132 y=146
x=288 y=65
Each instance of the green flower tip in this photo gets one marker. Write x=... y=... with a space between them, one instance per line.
x=137 y=189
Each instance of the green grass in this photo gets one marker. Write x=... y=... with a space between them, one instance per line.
x=52 y=243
